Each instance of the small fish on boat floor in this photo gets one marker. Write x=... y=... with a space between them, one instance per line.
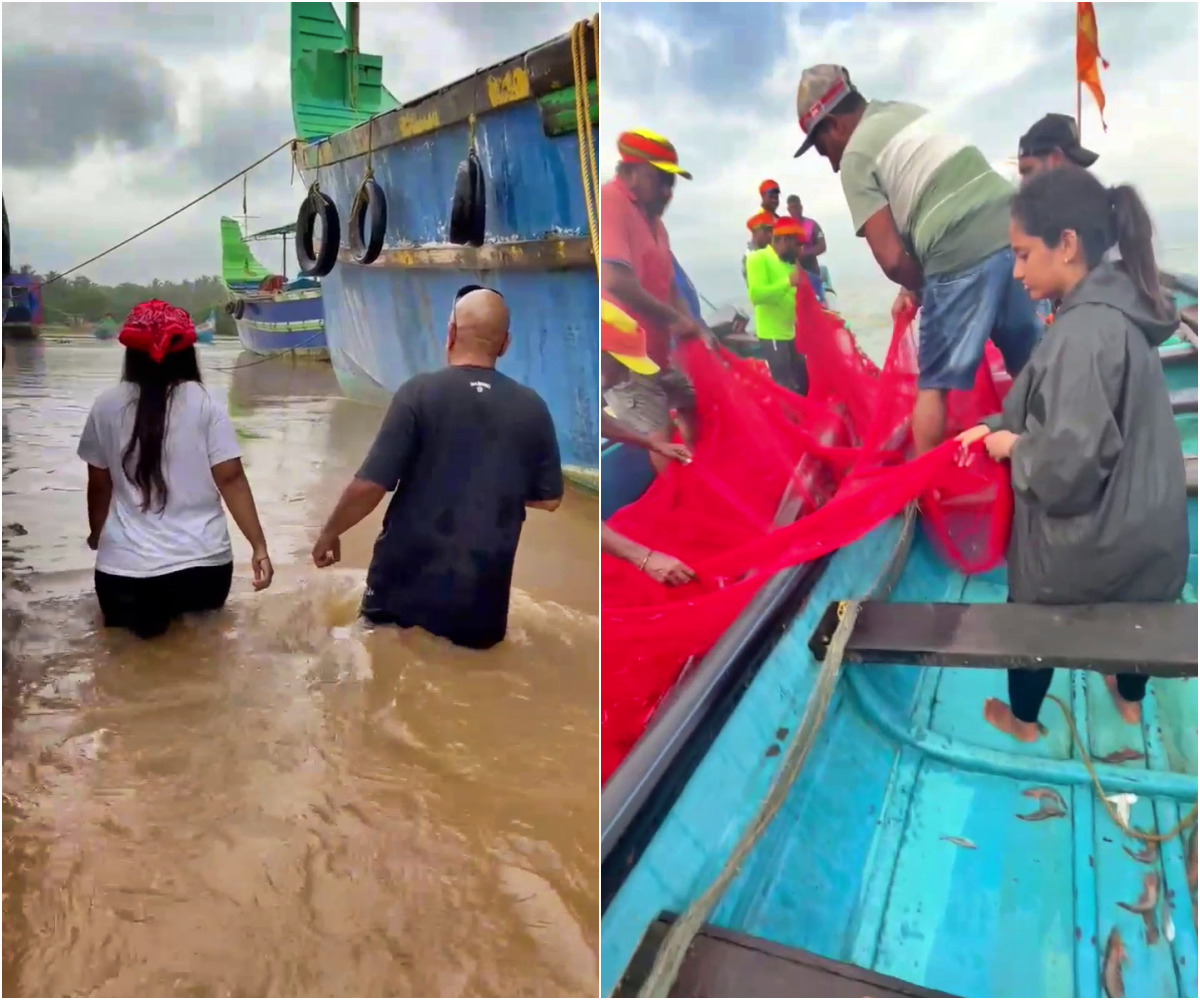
x=1051 y=805
x=1147 y=855
x=1145 y=906
x=1120 y=756
x=1115 y=956
x=960 y=842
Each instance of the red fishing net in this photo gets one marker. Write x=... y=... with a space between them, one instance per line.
x=827 y=468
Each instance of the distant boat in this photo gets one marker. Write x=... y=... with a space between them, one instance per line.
x=271 y=313
x=106 y=329
x=481 y=181
x=206 y=330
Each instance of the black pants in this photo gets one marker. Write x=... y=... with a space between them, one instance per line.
x=1027 y=689
x=146 y=605
x=787 y=365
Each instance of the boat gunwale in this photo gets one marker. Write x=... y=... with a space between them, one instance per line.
x=460 y=100
x=642 y=791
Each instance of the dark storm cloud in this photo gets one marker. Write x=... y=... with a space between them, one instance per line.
x=167 y=27
x=235 y=130
x=59 y=104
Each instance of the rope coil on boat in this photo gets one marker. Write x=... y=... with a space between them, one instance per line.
x=678 y=940
x=589 y=174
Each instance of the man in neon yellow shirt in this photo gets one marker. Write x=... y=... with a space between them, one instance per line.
x=772 y=276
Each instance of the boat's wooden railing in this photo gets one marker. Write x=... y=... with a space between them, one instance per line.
x=1156 y=640
x=721 y=963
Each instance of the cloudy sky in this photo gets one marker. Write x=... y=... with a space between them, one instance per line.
x=720 y=81
x=114 y=115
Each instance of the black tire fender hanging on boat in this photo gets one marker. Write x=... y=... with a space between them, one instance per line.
x=367 y=223
x=239 y=309
x=313 y=264
x=468 y=210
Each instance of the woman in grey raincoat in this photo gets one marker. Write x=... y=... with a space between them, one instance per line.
x=1100 y=512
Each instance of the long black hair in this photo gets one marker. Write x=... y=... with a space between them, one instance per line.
x=1069 y=197
x=156 y=382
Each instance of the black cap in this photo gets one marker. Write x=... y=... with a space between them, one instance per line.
x=1056 y=132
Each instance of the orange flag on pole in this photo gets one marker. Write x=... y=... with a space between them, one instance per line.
x=1088 y=59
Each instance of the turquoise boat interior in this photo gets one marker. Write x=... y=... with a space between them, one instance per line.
x=919 y=852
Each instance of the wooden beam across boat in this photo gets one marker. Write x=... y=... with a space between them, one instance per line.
x=1183 y=401
x=721 y=963
x=1158 y=640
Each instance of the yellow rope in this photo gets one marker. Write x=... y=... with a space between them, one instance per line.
x=1150 y=838
x=588 y=172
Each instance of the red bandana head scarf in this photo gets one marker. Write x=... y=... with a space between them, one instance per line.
x=158 y=328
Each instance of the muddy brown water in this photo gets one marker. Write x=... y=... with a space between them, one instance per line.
x=272 y=801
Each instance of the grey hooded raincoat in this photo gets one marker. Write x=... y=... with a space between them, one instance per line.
x=1100 y=510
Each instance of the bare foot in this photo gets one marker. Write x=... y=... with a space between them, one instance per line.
x=1130 y=711
x=1000 y=716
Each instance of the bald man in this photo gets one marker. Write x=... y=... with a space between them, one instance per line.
x=466 y=450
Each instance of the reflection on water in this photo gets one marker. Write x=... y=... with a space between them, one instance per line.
x=272 y=800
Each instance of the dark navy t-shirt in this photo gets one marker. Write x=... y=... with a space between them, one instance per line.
x=464 y=449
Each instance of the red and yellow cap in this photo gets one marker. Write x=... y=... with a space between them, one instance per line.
x=623 y=339
x=760 y=220
x=641 y=146
x=768 y=185
x=787 y=226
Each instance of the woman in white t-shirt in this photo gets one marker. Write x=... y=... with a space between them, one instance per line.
x=161 y=455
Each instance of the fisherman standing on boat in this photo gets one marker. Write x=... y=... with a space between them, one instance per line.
x=638 y=271
x=622 y=340
x=466 y=450
x=1052 y=142
x=768 y=193
x=772 y=278
x=812 y=245
x=1098 y=478
x=935 y=215
x=760 y=227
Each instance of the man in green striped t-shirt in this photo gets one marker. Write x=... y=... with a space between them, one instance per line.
x=935 y=215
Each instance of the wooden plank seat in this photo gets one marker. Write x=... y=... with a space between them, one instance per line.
x=720 y=963
x=1183 y=401
x=1158 y=640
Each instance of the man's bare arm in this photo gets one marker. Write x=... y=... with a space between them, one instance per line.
x=620 y=282
x=884 y=240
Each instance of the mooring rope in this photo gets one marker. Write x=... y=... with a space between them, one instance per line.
x=588 y=172
x=168 y=218
x=678 y=940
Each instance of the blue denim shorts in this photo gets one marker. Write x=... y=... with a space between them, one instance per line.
x=960 y=312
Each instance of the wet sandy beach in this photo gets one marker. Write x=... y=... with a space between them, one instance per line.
x=271 y=801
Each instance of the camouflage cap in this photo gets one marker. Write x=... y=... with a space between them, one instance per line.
x=822 y=88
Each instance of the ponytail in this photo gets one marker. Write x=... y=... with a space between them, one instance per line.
x=1069 y=197
x=1135 y=239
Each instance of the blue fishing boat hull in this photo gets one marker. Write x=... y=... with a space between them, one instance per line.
x=900 y=848
x=387 y=321
x=286 y=321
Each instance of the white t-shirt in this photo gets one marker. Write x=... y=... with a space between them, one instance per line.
x=191 y=529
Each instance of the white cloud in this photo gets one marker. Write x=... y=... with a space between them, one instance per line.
x=990 y=69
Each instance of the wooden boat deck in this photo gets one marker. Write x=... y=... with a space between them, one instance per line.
x=723 y=964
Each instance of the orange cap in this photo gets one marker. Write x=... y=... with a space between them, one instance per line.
x=760 y=220
x=621 y=337
x=642 y=146
x=766 y=186
x=787 y=226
